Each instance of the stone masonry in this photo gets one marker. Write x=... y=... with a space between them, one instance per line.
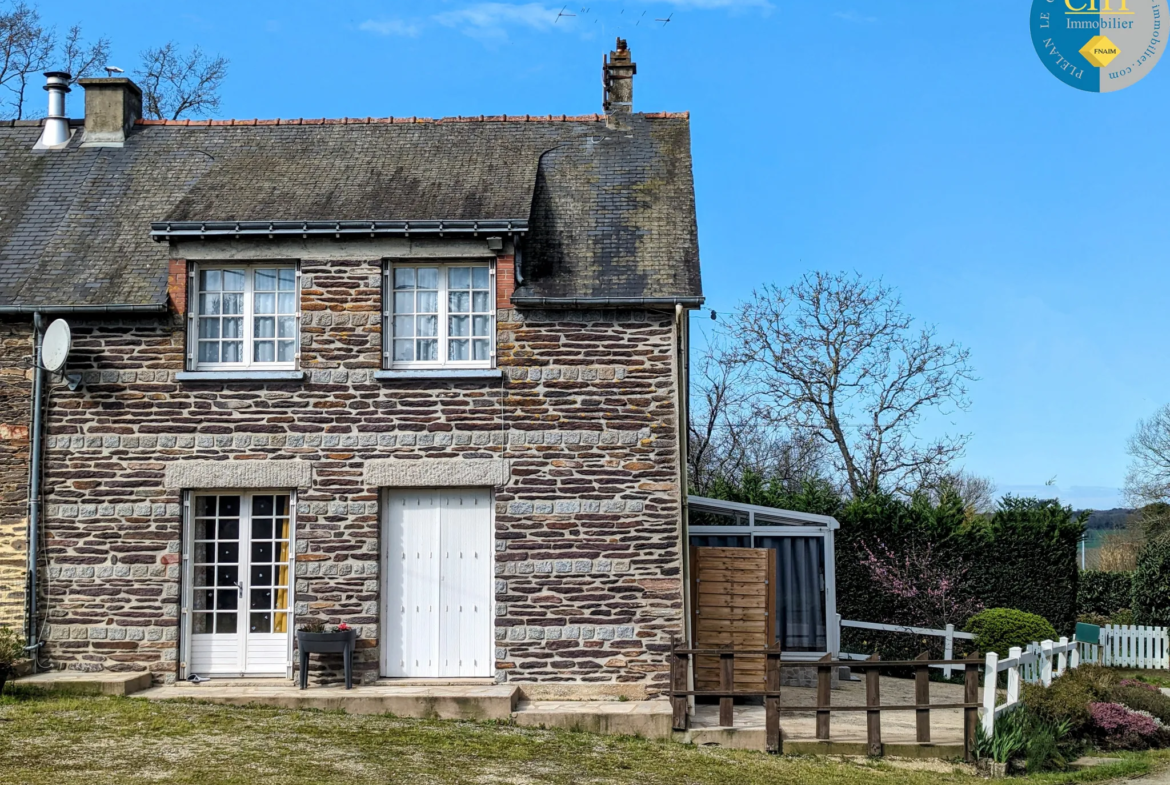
x=15 y=410
x=588 y=567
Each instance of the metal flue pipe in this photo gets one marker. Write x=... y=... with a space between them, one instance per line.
x=56 y=131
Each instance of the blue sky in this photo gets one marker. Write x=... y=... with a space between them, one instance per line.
x=923 y=143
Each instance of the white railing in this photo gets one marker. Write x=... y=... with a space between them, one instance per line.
x=1135 y=647
x=1035 y=665
x=948 y=635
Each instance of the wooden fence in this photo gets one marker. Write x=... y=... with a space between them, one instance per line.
x=680 y=659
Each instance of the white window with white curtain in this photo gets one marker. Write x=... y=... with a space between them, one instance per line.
x=245 y=317
x=440 y=315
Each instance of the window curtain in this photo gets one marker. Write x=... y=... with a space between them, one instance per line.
x=800 y=597
x=721 y=541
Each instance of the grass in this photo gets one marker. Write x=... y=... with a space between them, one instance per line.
x=61 y=740
x=1155 y=677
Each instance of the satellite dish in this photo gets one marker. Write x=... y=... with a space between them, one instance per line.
x=55 y=345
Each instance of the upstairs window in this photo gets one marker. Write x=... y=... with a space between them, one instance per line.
x=245 y=317
x=440 y=316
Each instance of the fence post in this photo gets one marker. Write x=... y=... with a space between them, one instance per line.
x=922 y=698
x=1046 y=663
x=990 y=680
x=1074 y=655
x=726 y=686
x=678 y=684
x=1013 y=675
x=971 y=713
x=949 y=648
x=873 y=714
x=1062 y=657
x=772 y=701
x=824 y=696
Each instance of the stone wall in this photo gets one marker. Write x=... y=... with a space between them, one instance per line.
x=587 y=526
x=16 y=348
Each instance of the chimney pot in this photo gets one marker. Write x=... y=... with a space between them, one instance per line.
x=56 y=128
x=617 y=75
x=112 y=106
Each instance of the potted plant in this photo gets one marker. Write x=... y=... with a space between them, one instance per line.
x=11 y=651
x=313 y=638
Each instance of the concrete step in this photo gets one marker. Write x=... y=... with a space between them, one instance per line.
x=468 y=702
x=87 y=683
x=649 y=719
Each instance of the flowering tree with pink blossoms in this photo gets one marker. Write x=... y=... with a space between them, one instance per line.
x=932 y=590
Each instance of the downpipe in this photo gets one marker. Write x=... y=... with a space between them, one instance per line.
x=35 y=480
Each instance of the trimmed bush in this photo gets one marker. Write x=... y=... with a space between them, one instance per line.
x=1151 y=584
x=998 y=629
x=1104 y=593
x=1069 y=696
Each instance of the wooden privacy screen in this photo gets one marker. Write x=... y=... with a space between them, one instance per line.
x=733 y=601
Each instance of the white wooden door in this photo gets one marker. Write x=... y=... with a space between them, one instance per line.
x=438 y=584
x=239 y=556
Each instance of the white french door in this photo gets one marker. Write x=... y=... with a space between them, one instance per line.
x=438 y=583
x=238 y=572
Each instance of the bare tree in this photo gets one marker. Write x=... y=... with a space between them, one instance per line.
x=176 y=83
x=1148 y=478
x=835 y=356
x=28 y=48
x=726 y=439
x=976 y=492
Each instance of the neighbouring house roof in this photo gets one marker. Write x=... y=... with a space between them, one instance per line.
x=609 y=212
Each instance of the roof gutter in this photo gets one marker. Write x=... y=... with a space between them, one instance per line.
x=606 y=302
x=202 y=230
x=8 y=310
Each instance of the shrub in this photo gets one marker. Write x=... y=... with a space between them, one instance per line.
x=1021 y=734
x=1151 y=583
x=998 y=629
x=1104 y=593
x=1119 y=728
x=1139 y=696
x=1067 y=699
x=1123 y=618
x=11 y=646
x=1094 y=618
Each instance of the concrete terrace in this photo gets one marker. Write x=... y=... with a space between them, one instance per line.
x=650 y=719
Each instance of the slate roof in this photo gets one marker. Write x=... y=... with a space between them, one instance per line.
x=610 y=210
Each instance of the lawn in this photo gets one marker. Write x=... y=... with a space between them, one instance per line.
x=62 y=740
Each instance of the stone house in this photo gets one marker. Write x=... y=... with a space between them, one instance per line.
x=424 y=377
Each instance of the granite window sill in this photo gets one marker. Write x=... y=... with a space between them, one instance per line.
x=405 y=375
x=240 y=376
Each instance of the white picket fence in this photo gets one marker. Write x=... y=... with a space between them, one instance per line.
x=1135 y=647
x=949 y=636
x=1039 y=664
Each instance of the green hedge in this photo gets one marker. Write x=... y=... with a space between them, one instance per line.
x=999 y=629
x=1022 y=556
x=1151 y=583
x=1104 y=593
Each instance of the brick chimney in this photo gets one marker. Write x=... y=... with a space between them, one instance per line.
x=617 y=74
x=111 y=108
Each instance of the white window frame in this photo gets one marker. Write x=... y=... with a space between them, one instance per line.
x=248 y=315
x=442 y=337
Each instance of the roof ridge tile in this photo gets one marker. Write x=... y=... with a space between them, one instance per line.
x=500 y=118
